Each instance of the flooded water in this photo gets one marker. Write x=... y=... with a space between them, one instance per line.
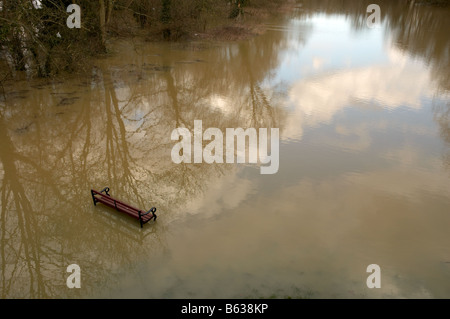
x=364 y=165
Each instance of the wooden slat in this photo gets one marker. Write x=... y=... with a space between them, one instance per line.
x=118 y=201
x=121 y=206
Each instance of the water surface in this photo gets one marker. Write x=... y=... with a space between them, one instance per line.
x=363 y=179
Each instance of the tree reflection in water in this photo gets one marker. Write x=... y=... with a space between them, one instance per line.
x=58 y=140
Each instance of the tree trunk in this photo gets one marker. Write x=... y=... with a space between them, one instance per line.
x=166 y=17
x=102 y=14
x=108 y=15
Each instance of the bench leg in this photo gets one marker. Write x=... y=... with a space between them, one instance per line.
x=93 y=198
x=140 y=219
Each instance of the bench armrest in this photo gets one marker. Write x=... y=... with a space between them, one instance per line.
x=151 y=210
x=106 y=190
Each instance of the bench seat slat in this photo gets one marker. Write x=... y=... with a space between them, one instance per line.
x=108 y=198
x=119 y=206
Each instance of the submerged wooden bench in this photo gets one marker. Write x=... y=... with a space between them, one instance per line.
x=106 y=199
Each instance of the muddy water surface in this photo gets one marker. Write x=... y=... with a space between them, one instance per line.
x=363 y=179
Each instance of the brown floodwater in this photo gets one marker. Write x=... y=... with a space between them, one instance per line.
x=364 y=165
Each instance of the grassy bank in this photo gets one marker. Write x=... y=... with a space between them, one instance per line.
x=36 y=42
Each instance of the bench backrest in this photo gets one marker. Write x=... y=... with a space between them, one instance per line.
x=116 y=200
